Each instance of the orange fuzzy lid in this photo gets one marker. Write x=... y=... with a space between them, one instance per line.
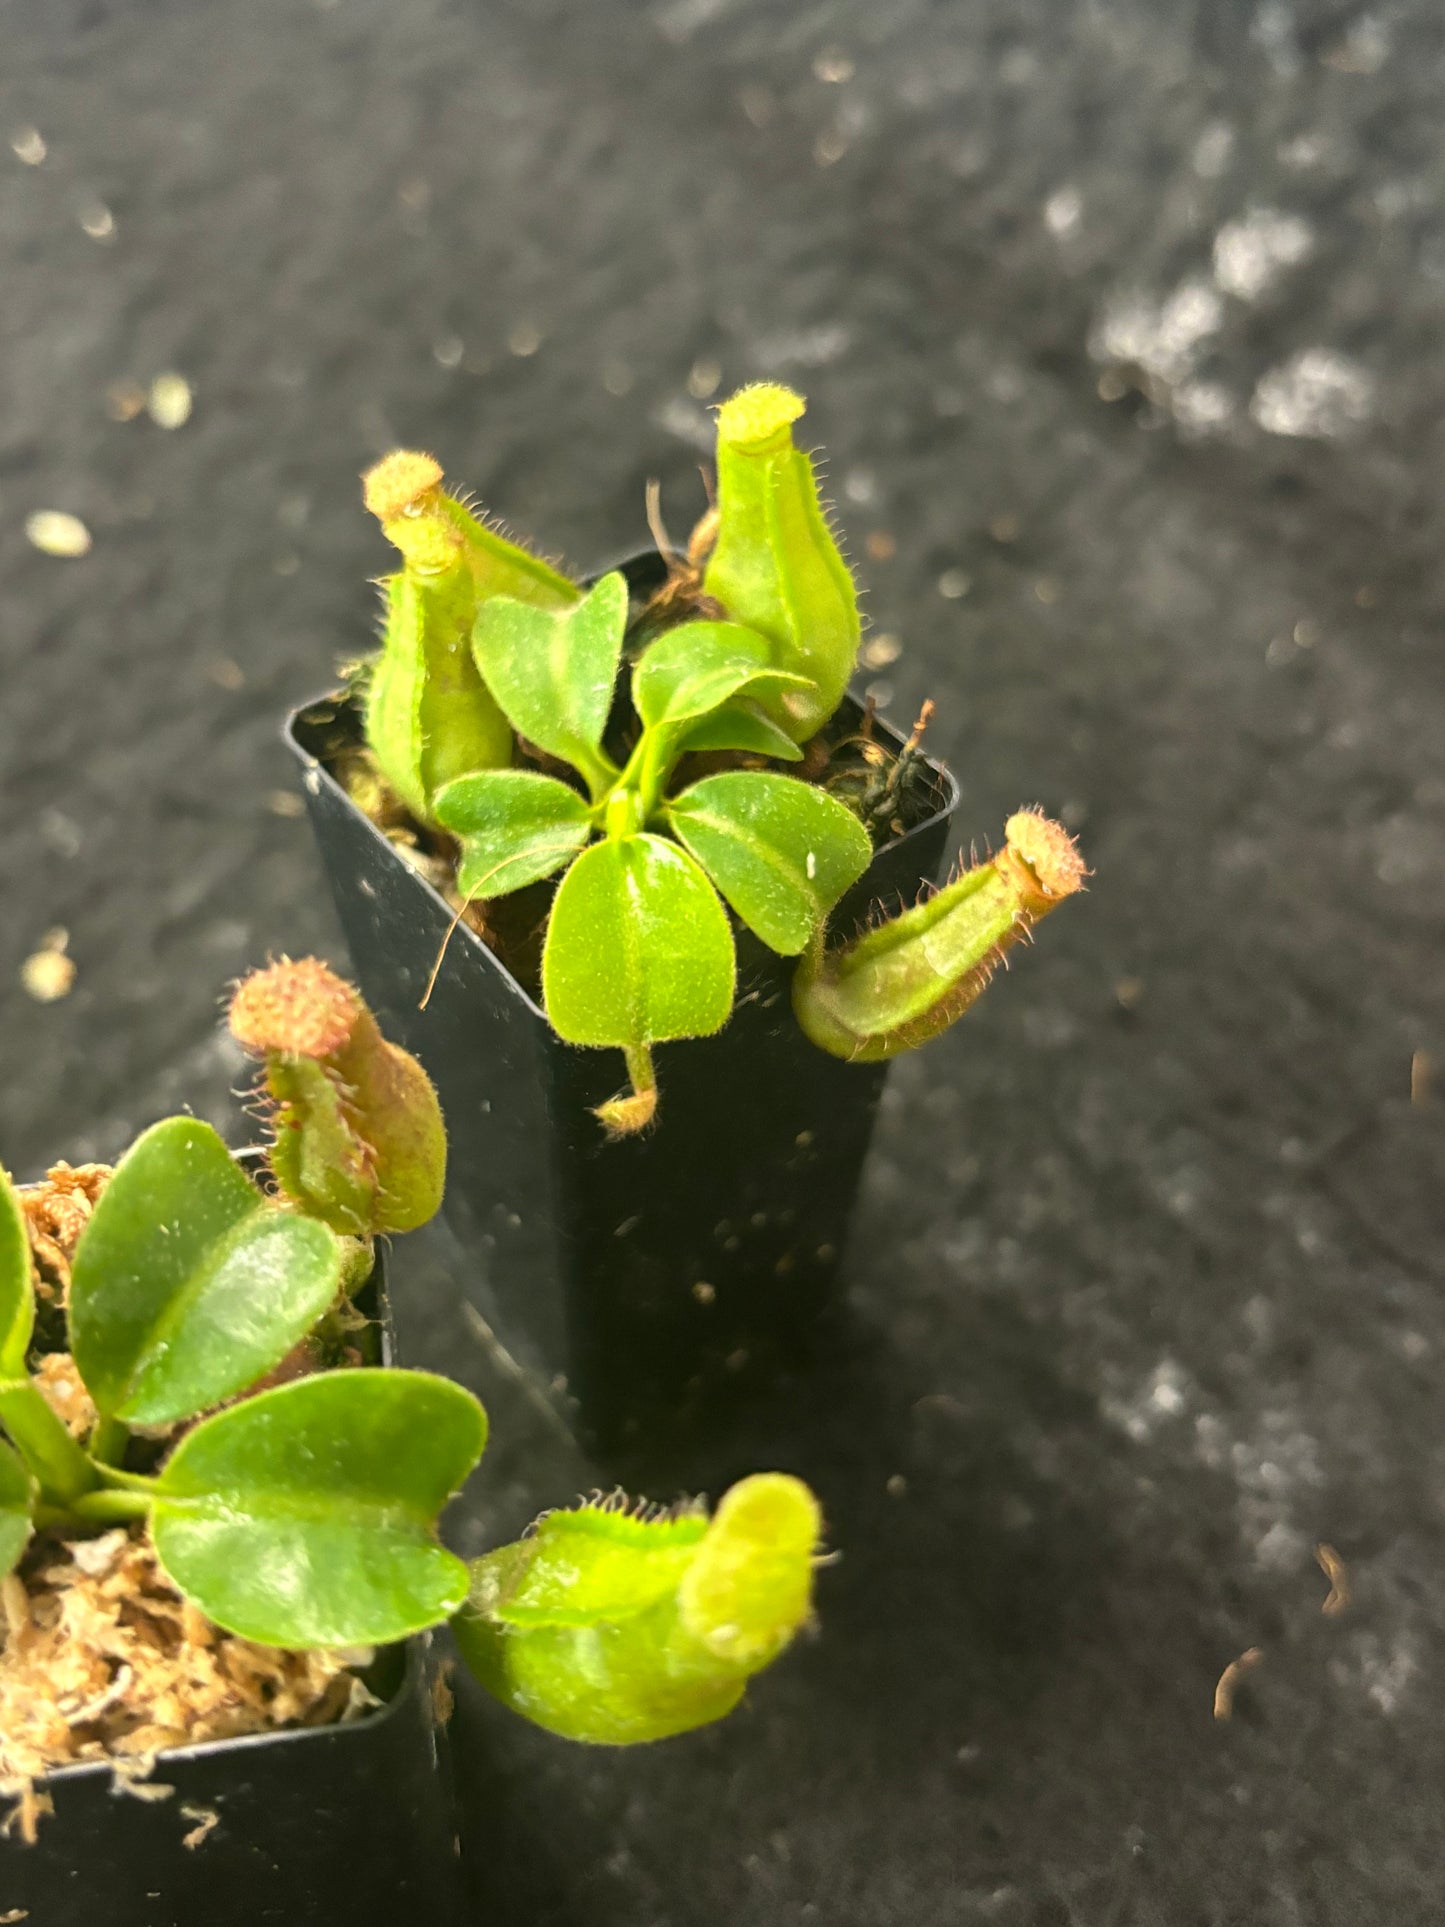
x=398 y=479
x=1049 y=851
x=302 y=1008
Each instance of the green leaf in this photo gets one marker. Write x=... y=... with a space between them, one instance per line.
x=554 y=672
x=307 y=1516
x=696 y=667
x=515 y=826
x=17 y=1501
x=17 y=1292
x=781 y=851
x=741 y=725
x=597 y=1563
x=187 y=1285
x=638 y=947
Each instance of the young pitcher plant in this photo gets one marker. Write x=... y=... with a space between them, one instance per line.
x=292 y=1494
x=667 y=778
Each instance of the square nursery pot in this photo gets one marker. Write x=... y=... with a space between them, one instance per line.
x=328 y=1824
x=651 y=1285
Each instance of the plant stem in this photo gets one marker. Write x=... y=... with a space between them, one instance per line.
x=108 y=1441
x=113 y=1506
x=660 y=759
x=59 y=1466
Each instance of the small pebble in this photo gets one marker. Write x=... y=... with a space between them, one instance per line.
x=1005 y=528
x=880 y=545
x=1422 y=1077
x=759 y=105
x=227 y=673
x=896 y=1486
x=830 y=146
x=28 y=145
x=954 y=584
x=704 y=1293
x=703 y=379
x=48 y=975
x=98 y=221
x=524 y=339
x=1046 y=591
x=124 y=400
x=448 y=352
x=1129 y=992
x=54 y=532
x=833 y=67
x=879 y=651
x=617 y=378
x=170 y=401
x=285 y=803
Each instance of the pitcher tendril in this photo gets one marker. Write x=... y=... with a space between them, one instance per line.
x=898 y=985
x=358 y=1139
x=430 y=716
x=774 y=564
x=614 y=1628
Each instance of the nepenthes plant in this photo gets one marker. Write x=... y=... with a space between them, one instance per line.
x=220 y=1404
x=672 y=764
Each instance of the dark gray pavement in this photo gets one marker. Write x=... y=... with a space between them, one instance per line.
x=1123 y=322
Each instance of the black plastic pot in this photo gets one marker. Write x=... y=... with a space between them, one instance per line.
x=650 y=1283
x=340 y=1826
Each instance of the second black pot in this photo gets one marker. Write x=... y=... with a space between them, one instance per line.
x=654 y=1283
x=327 y=1826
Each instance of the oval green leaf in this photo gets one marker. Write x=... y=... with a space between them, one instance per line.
x=515 y=826
x=699 y=665
x=554 y=672
x=638 y=948
x=187 y=1285
x=17 y=1501
x=781 y=851
x=307 y=1516
x=741 y=725
x=17 y=1291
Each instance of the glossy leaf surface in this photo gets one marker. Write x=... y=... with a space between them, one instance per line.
x=187 y=1285
x=741 y=725
x=17 y=1498
x=17 y=1293
x=693 y=668
x=553 y=672
x=781 y=851
x=515 y=826
x=638 y=947
x=306 y=1516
